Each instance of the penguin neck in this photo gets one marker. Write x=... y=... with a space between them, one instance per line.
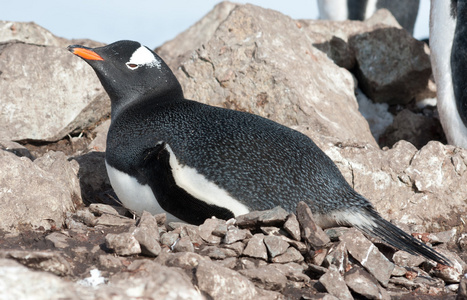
x=153 y=97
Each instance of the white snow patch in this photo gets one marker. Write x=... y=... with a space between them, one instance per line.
x=376 y=114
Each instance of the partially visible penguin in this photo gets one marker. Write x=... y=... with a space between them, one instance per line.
x=193 y=161
x=405 y=11
x=448 y=43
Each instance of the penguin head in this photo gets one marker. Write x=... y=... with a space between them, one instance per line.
x=130 y=72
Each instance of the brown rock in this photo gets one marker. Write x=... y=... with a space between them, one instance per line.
x=311 y=233
x=206 y=229
x=147 y=235
x=122 y=243
x=386 y=70
x=184 y=244
x=450 y=274
x=338 y=257
x=334 y=283
x=237 y=247
x=368 y=255
x=275 y=245
x=292 y=227
x=37 y=193
x=52 y=262
x=290 y=255
x=266 y=277
x=66 y=105
x=361 y=282
x=462 y=292
x=222 y=283
x=404 y=259
x=256 y=248
x=235 y=234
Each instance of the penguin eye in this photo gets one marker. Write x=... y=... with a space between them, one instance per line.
x=132 y=66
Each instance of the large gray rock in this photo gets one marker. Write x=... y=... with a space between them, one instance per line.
x=46 y=93
x=36 y=193
x=260 y=61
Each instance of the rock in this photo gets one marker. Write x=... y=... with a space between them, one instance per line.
x=361 y=282
x=248 y=220
x=235 y=234
x=266 y=277
x=417 y=196
x=404 y=259
x=290 y=255
x=206 y=229
x=66 y=105
x=273 y=217
x=99 y=143
x=216 y=252
x=52 y=262
x=450 y=274
x=237 y=67
x=105 y=209
x=19 y=282
x=275 y=245
x=115 y=220
x=338 y=257
x=414 y=128
x=59 y=239
x=147 y=235
x=386 y=70
x=462 y=292
x=311 y=233
x=37 y=193
x=184 y=260
x=169 y=238
x=292 y=227
x=237 y=247
x=146 y=279
x=92 y=174
x=368 y=255
x=184 y=244
x=16 y=148
x=122 y=243
x=293 y=271
x=256 y=248
x=334 y=283
x=222 y=283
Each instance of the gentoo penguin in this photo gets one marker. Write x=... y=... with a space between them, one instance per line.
x=193 y=161
x=405 y=11
x=448 y=43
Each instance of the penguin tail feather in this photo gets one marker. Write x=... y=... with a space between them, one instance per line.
x=371 y=223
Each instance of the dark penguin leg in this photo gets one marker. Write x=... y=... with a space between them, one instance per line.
x=448 y=58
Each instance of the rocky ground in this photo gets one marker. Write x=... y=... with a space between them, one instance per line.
x=361 y=90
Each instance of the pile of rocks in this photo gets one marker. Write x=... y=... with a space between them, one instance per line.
x=266 y=255
x=309 y=75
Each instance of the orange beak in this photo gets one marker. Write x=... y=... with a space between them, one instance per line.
x=85 y=53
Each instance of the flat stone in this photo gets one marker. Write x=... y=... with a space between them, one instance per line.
x=122 y=243
x=398 y=271
x=275 y=245
x=450 y=274
x=266 y=277
x=222 y=283
x=59 y=239
x=147 y=235
x=250 y=263
x=110 y=261
x=235 y=234
x=338 y=256
x=273 y=217
x=334 y=283
x=292 y=227
x=290 y=255
x=311 y=233
x=169 y=238
x=101 y=209
x=293 y=271
x=404 y=259
x=368 y=255
x=114 y=220
x=206 y=229
x=184 y=244
x=215 y=252
x=237 y=247
x=361 y=282
x=220 y=230
x=462 y=292
x=183 y=260
x=256 y=248
x=52 y=262
x=192 y=232
x=248 y=220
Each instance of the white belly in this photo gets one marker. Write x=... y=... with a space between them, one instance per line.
x=135 y=196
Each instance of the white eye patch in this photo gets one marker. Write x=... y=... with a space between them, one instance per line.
x=143 y=57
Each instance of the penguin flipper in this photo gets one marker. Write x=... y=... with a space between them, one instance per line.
x=171 y=197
